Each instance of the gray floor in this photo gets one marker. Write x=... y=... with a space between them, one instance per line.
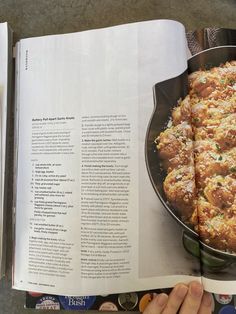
x=41 y=17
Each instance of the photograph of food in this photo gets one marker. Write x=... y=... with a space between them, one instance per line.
x=197 y=152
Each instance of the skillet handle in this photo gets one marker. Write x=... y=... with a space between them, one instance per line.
x=208 y=260
x=191 y=245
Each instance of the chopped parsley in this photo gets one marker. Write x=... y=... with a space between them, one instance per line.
x=233 y=169
x=196 y=119
x=209 y=226
x=232 y=81
x=202 y=80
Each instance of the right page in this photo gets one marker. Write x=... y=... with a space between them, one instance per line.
x=212 y=92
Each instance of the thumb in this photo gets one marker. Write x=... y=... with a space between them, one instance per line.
x=157 y=304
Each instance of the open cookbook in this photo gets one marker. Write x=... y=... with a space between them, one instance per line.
x=125 y=159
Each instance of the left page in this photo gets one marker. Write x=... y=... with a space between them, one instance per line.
x=5 y=91
x=85 y=205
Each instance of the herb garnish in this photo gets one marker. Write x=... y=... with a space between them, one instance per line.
x=233 y=169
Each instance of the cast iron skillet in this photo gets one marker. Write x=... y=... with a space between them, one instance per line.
x=166 y=95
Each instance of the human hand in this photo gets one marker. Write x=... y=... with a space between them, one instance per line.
x=187 y=299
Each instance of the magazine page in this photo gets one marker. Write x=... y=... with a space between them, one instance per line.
x=212 y=80
x=4 y=60
x=86 y=205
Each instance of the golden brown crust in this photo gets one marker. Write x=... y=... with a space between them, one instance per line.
x=220 y=191
x=179 y=186
x=175 y=146
x=182 y=113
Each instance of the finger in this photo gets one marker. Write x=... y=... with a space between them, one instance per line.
x=175 y=299
x=193 y=299
x=205 y=307
x=157 y=304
